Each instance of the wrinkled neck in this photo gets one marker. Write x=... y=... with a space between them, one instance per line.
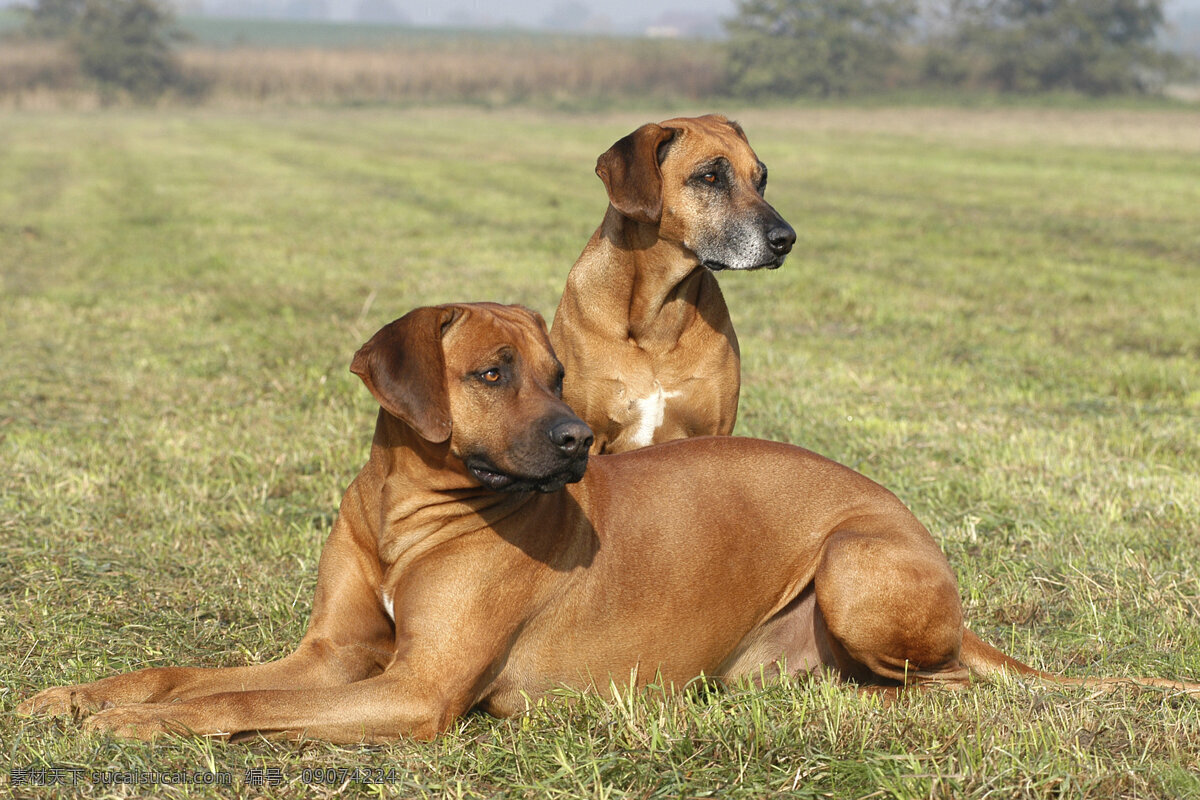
x=662 y=280
x=427 y=495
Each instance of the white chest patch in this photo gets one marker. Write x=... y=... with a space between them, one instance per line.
x=387 y=606
x=648 y=414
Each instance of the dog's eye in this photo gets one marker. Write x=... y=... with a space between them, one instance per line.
x=711 y=178
x=492 y=375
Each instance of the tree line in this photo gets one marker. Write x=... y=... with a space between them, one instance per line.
x=776 y=49
x=841 y=47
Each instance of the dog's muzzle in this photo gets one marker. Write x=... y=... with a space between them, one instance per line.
x=561 y=458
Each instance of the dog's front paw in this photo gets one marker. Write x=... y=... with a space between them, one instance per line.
x=75 y=701
x=144 y=721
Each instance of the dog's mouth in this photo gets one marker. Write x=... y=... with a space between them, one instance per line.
x=491 y=478
x=498 y=481
x=717 y=266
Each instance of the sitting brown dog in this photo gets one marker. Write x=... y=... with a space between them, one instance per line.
x=642 y=327
x=461 y=573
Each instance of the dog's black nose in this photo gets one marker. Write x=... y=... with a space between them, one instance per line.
x=781 y=238
x=571 y=436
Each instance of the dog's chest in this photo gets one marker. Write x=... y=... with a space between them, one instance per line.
x=647 y=414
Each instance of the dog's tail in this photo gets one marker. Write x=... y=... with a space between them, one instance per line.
x=984 y=660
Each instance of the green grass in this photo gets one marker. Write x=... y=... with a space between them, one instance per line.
x=996 y=313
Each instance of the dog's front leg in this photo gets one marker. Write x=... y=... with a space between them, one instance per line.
x=317 y=662
x=384 y=707
x=349 y=638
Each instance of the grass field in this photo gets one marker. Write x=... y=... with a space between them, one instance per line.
x=996 y=314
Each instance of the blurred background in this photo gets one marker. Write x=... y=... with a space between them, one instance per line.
x=588 y=54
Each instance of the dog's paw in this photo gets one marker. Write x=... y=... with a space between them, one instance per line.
x=75 y=701
x=142 y=721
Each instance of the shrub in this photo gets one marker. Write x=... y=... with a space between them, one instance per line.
x=124 y=45
x=1091 y=46
x=787 y=48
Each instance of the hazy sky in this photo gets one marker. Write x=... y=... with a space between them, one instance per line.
x=534 y=11
x=531 y=13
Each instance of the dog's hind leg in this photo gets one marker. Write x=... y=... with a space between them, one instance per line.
x=888 y=607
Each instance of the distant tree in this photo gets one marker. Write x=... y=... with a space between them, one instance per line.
x=52 y=19
x=121 y=44
x=786 y=48
x=945 y=58
x=1091 y=46
x=127 y=44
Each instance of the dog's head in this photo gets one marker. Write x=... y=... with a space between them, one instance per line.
x=482 y=377
x=699 y=181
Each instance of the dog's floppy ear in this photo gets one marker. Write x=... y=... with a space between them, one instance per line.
x=405 y=370
x=631 y=173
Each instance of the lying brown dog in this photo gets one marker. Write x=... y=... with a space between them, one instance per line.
x=461 y=573
x=642 y=327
